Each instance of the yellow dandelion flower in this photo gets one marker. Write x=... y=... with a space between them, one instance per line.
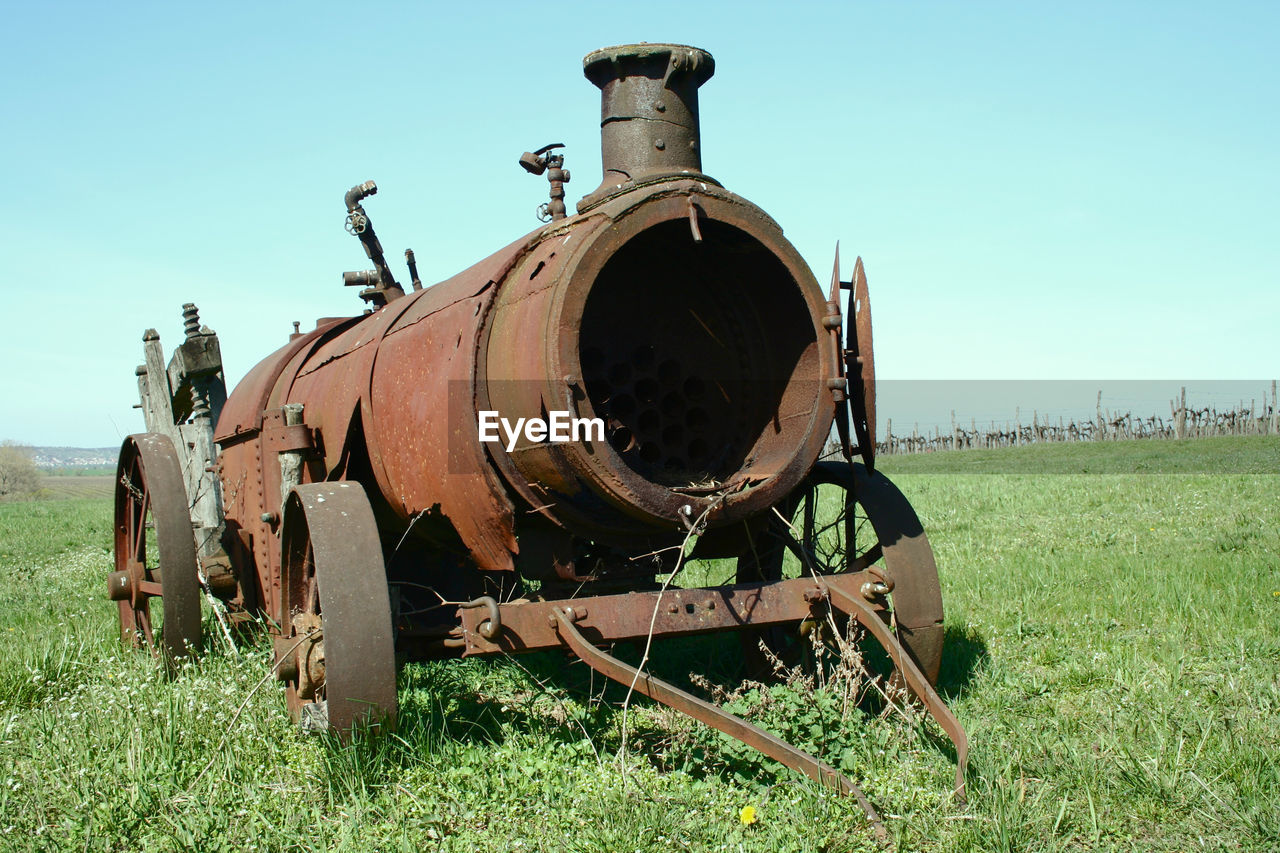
x=748 y=815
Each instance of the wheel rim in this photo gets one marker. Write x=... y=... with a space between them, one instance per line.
x=843 y=519
x=155 y=555
x=335 y=650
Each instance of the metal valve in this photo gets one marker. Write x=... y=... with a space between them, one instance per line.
x=538 y=162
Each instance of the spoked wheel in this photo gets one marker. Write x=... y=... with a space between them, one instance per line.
x=335 y=651
x=843 y=519
x=155 y=551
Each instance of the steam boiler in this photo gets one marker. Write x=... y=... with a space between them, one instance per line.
x=524 y=456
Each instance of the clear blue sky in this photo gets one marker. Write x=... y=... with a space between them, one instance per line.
x=1084 y=191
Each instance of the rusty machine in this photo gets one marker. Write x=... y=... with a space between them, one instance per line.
x=343 y=494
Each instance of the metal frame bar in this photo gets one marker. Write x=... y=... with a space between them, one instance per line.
x=704 y=712
x=530 y=625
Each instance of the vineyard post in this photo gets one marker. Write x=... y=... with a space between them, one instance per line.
x=1275 y=410
x=1180 y=417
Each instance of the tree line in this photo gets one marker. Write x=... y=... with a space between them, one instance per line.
x=18 y=474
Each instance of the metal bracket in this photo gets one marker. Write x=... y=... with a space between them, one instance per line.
x=285 y=438
x=279 y=436
x=911 y=674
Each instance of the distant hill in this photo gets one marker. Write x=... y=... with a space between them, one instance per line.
x=58 y=458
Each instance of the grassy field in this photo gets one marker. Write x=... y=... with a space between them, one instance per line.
x=1113 y=651
x=73 y=486
x=1217 y=455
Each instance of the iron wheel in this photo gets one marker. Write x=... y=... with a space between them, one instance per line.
x=155 y=551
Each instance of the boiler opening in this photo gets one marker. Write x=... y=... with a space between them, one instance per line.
x=701 y=357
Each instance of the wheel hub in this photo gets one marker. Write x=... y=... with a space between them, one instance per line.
x=301 y=656
x=126 y=585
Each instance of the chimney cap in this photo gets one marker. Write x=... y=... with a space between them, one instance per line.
x=608 y=62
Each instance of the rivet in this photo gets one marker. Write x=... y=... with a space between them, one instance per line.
x=660 y=107
x=659 y=144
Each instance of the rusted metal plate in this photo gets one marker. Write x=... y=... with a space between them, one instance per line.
x=423 y=439
x=840 y=388
x=863 y=383
x=242 y=412
x=528 y=626
x=281 y=438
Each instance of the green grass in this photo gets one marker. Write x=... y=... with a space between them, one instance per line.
x=67 y=487
x=1218 y=455
x=80 y=471
x=1113 y=651
x=64 y=487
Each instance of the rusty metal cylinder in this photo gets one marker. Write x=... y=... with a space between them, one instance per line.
x=671 y=310
x=649 y=125
x=700 y=355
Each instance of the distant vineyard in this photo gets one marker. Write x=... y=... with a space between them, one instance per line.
x=62 y=488
x=1183 y=422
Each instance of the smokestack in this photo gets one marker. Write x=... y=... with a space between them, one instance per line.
x=648 y=114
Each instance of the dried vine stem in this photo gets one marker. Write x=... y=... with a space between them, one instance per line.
x=694 y=528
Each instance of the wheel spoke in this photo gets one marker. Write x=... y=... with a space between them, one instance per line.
x=142 y=618
x=133 y=524
x=313 y=586
x=140 y=532
x=868 y=558
x=810 y=498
